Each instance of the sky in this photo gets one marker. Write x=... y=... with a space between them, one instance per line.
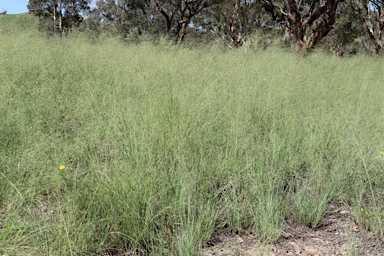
x=14 y=6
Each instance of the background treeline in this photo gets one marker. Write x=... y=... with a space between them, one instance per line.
x=341 y=26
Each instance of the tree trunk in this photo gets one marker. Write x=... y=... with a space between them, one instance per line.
x=376 y=39
x=294 y=19
x=306 y=29
x=166 y=16
x=54 y=19
x=61 y=17
x=183 y=31
x=380 y=35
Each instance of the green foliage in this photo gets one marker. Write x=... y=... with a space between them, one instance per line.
x=58 y=16
x=348 y=35
x=124 y=18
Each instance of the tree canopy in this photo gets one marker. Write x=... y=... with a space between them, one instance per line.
x=59 y=15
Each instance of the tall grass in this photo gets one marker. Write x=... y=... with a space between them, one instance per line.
x=163 y=145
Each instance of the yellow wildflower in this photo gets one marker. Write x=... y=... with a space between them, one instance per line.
x=382 y=153
x=62 y=167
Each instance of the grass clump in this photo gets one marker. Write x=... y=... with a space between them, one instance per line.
x=162 y=145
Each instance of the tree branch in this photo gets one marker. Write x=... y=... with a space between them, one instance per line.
x=166 y=16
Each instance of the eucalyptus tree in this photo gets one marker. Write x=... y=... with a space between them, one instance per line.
x=180 y=15
x=234 y=20
x=371 y=14
x=59 y=15
x=348 y=36
x=305 y=22
x=123 y=17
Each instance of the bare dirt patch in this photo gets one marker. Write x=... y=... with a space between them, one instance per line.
x=337 y=234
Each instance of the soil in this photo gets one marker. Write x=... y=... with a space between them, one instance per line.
x=337 y=234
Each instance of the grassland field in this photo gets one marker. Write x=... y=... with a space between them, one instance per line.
x=147 y=149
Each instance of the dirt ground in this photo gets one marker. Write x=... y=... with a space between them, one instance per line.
x=337 y=234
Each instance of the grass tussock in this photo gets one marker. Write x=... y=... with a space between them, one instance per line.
x=161 y=146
